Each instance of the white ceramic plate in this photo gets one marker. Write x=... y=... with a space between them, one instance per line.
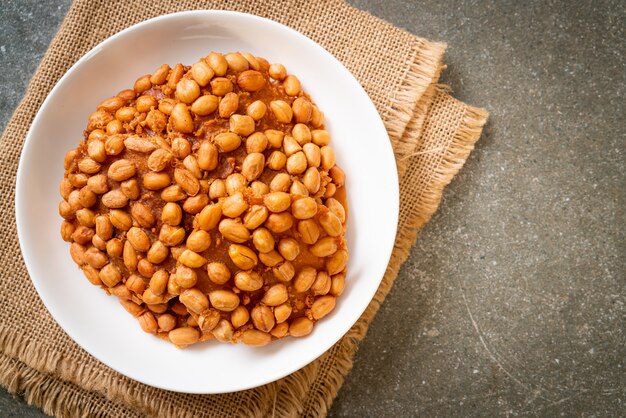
x=97 y=322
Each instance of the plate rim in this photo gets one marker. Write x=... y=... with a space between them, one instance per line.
x=20 y=198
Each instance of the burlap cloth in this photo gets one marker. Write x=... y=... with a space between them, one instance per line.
x=432 y=135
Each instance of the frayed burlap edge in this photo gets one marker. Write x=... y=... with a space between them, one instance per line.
x=48 y=375
x=45 y=383
x=414 y=129
x=404 y=117
x=458 y=152
x=54 y=397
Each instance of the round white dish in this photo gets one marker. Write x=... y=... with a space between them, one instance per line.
x=98 y=323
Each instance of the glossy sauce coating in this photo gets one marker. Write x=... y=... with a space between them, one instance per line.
x=208 y=200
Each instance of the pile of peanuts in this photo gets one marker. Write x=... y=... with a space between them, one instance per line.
x=207 y=199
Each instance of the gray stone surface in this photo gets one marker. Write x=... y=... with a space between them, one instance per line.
x=512 y=302
x=27 y=28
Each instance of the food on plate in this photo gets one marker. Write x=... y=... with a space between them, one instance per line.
x=207 y=199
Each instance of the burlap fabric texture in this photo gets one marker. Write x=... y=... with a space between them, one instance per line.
x=432 y=135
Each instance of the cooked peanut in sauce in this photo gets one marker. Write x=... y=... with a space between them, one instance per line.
x=208 y=200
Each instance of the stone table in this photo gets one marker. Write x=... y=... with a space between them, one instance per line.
x=512 y=301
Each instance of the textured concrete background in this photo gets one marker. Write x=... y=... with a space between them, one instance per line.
x=512 y=302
